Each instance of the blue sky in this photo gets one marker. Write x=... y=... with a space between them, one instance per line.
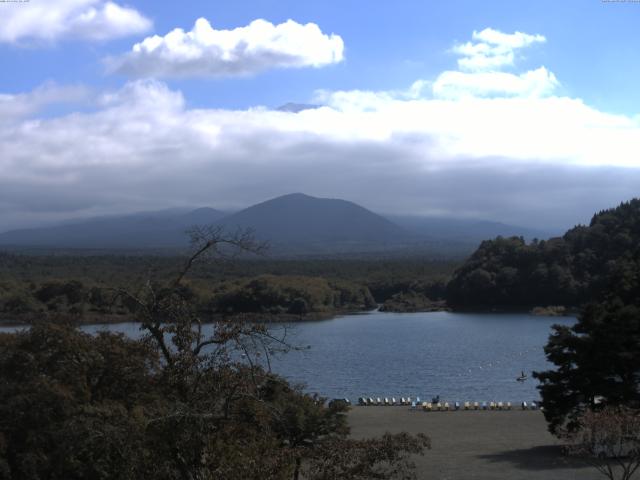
x=592 y=47
x=73 y=78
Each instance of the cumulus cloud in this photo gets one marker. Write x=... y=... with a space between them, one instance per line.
x=205 y=51
x=143 y=148
x=534 y=83
x=95 y=20
x=481 y=64
x=14 y=107
x=493 y=49
x=511 y=156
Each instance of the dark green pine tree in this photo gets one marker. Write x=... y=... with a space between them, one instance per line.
x=597 y=363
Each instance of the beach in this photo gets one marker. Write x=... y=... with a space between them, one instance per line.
x=480 y=445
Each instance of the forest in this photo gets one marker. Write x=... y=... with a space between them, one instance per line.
x=84 y=286
x=571 y=270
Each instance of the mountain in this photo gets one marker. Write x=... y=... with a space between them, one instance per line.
x=318 y=224
x=294 y=224
x=464 y=229
x=296 y=107
x=158 y=229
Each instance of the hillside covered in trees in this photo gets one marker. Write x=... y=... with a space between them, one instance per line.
x=569 y=270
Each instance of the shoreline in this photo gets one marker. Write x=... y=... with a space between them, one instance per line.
x=112 y=319
x=26 y=320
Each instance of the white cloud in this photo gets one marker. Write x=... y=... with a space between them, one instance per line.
x=205 y=51
x=480 y=69
x=49 y=21
x=14 y=107
x=534 y=83
x=143 y=148
x=493 y=50
x=502 y=149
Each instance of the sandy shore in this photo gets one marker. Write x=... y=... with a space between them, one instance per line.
x=479 y=445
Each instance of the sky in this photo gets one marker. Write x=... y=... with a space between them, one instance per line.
x=521 y=112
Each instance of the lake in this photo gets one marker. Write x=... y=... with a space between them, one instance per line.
x=459 y=356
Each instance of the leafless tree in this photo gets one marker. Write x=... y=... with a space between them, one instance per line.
x=609 y=440
x=172 y=321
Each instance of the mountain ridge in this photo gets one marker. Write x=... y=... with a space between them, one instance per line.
x=294 y=224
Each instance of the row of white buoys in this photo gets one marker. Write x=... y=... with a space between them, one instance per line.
x=437 y=406
x=388 y=401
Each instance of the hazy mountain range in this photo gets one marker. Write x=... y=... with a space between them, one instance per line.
x=294 y=224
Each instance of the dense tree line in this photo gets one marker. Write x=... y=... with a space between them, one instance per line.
x=294 y=295
x=570 y=270
x=82 y=286
x=265 y=294
x=597 y=360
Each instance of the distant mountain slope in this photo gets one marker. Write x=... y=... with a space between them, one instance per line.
x=160 y=229
x=296 y=107
x=462 y=229
x=294 y=224
x=299 y=219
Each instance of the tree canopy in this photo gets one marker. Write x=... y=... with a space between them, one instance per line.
x=597 y=364
x=571 y=270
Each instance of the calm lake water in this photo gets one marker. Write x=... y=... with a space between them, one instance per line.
x=475 y=357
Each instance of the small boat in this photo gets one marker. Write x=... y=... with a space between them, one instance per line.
x=522 y=377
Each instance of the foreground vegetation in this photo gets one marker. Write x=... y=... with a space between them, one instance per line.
x=176 y=404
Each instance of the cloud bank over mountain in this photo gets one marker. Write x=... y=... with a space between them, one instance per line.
x=499 y=145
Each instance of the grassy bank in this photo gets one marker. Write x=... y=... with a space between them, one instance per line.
x=480 y=445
